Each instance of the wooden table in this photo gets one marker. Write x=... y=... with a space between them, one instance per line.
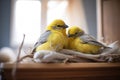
x=61 y=71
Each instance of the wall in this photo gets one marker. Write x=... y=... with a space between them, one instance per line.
x=4 y=22
x=111 y=20
x=90 y=13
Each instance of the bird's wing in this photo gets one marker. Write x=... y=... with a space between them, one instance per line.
x=43 y=38
x=86 y=38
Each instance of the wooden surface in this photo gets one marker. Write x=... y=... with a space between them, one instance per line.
x=60 y=71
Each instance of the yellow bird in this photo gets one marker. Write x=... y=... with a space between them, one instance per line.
x=82 y=42
x=54 y=38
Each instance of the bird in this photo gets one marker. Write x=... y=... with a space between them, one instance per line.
x=54 y=38
x=82 y=42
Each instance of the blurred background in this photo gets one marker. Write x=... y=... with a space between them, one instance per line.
x=30 y=17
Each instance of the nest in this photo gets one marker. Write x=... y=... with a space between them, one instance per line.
x=111 y=54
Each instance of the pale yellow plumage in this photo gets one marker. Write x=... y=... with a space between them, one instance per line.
x=82 y=42
x=54 y=42
x=54 y=38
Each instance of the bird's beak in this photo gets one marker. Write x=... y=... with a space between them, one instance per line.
x=65 y=26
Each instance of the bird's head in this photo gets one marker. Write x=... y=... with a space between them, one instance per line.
x=75 y=31
x=57 y=25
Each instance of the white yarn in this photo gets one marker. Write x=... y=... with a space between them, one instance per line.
x=7 y=55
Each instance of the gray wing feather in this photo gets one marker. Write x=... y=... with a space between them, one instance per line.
x=43 y=38
x=86 y=38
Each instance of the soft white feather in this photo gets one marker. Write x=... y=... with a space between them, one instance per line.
x=114 y=47
x=49 y=56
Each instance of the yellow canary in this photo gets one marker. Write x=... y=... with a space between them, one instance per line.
x=82 y=42
x=54 y=38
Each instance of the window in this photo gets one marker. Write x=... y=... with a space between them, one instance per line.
x=26 y=21
x=30 y=17
x=58 y=9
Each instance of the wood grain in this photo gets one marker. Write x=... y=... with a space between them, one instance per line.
x=60 y=71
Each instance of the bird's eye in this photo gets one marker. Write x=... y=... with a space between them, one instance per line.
x=58 y=26
x=76 y=33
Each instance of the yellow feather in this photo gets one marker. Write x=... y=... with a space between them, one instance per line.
x=57 y=39
x=75 y=43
